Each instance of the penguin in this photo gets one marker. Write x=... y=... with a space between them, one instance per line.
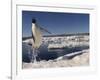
x=37 y=33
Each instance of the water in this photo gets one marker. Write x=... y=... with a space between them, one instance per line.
x=45 y=54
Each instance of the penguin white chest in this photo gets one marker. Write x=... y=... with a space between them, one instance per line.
x=37 y=36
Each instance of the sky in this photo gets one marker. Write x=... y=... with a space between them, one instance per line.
x=55 y=22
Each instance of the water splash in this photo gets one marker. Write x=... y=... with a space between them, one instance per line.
x=34 y=55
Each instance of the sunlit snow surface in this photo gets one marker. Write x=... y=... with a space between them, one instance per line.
x=57 y=50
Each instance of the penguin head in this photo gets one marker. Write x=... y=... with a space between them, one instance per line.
x=33 y=20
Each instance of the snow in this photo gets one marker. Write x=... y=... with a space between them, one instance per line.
x=80 y=60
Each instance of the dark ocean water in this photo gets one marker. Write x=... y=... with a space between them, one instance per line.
x=45 y=54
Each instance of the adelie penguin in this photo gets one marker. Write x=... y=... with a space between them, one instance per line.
x=37 y=33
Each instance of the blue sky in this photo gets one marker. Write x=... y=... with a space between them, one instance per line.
x=56 y=23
